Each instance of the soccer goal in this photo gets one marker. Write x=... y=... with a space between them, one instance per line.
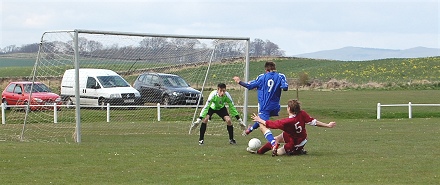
x=166 y=70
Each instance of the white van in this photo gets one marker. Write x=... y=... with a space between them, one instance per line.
x=98 y=87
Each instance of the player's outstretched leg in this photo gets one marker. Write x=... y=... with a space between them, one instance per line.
x=250 y=129
x=266 y=147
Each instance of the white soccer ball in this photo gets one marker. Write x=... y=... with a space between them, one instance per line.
x=254 y=144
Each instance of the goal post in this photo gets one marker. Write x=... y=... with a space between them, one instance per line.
x=153 y=60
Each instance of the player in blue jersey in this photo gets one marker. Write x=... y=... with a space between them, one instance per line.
x=269 y=86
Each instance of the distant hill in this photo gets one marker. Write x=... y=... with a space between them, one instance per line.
x=361 y=54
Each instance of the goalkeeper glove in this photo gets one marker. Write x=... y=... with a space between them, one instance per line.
x=197 y=121
x=242 y=124
x=194 y=125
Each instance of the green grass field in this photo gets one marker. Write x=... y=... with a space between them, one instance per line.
x=360 y=150
x=134 y=149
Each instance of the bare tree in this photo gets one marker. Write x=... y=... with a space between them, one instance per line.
x=10 y=49
x=257 y=47
x=94 y=45
x=154 y=43
x=270 y=48
x=29 y=48
x=82 y=44
x=184 y=43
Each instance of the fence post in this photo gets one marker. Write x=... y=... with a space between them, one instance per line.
x=108 y=112
x=158 y=111
x=378 y=110
x=409 y=110
x=55 y=113
x=3 y=113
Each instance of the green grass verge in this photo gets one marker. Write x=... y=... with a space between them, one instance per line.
x=357 y=151
x=350 y=104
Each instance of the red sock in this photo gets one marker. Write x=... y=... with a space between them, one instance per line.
x=265 y=148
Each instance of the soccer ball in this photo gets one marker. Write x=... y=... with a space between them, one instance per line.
x=254 y=144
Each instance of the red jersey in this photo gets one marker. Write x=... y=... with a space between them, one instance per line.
x=294 y=126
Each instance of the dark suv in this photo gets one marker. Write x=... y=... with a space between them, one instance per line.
x=167 y=89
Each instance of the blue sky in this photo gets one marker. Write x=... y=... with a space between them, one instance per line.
x=297 y=26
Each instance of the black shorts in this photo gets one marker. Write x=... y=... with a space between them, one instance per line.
x=222 y=112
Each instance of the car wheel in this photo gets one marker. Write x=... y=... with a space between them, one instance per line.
x=69 y=103
x=166 y=101
x=26 y=103
x=6 y=104
x=102 y=104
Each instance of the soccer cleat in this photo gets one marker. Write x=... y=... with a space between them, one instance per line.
x=275 y=149
x=201 y=142
x=303 y=152
x=250 y=150
x=232 y=142
x=242 y=124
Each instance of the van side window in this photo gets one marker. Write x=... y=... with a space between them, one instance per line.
x=91 y=83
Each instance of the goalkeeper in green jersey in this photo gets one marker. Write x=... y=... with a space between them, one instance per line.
x=216 y=104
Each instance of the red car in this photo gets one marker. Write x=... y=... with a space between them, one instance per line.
x=17 y=93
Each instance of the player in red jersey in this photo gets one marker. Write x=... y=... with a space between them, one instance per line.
x=294 y=133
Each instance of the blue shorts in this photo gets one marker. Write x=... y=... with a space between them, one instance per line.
x=266 y=114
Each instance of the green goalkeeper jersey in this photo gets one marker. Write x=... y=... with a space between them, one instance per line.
x=217 y=102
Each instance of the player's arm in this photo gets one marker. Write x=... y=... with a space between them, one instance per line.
x=250 y=85
x=284 y=84
x=274 y=124
x=326 y=125
x=314 y=122
x=278 y=124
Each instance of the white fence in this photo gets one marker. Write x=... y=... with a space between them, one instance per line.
x=55 y=111
x=409 y=105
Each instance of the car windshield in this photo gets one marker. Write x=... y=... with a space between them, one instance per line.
x=174 y=81
x=112 y=81
x=36 y=88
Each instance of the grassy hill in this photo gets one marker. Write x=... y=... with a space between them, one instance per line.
x=386 y=72
x=315 y=72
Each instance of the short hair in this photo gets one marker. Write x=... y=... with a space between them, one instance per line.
x=270 y=66
x=294 y=106
x=221 y=86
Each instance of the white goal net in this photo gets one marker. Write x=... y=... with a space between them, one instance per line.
x=128 y=83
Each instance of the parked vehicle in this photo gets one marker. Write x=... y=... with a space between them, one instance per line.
x=167 y=89
x=98 y=87
x=19 y=93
